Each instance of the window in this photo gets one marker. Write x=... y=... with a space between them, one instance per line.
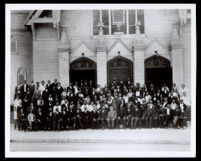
x=21 y=76
x=13 y=44
x=118 y=21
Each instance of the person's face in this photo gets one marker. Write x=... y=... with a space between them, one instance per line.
x=39 y=109
x=57 y=103
x=111 y=108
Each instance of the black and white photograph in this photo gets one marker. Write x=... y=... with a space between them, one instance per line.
x=100 y=80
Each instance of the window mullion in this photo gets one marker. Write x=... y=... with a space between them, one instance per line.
x=127 y=21
x=101 y=21
x=109 y=22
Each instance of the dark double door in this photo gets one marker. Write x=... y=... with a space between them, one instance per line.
x=159 y=76
x=83 y=70
x=119 y=69
x=158 y=71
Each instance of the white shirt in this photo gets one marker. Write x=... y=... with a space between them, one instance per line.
x=164 y=104
x=173 y=106
x=41 y=88
x=56 y=107
x=83 y=107
x=137 y=93
x=17 y=104
x=125 y=99
x=90 y=108
x=147 y=98
x=168 y=111
x=75 y=89
x=25 y=90
x=182 y=107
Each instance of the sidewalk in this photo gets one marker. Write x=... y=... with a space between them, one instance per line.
x=136 y=136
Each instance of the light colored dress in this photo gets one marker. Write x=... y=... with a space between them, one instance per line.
x=17 y=104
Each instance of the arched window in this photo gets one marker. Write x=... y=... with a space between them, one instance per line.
x=21 y=76
x=13 y=44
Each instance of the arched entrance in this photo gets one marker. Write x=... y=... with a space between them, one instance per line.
x=158 y=71
x=119 y=68
x=83 y=69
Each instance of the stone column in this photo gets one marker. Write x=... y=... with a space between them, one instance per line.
x=64 y=66
x=138 y=61
x=177 y=64
x=101 y=65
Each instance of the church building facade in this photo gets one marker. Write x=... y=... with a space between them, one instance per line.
x=147 y=46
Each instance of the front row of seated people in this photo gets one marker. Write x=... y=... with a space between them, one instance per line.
x=101 y=116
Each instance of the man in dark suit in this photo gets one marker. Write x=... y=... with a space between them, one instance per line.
x=182 y=107
x=32 y=88
x=121 y=115
x=94 y=119
x=78 y=119
x=45 y=96
x=149 y=115
x=24 y=88
x=39 y=119
x=85 y=118
x=136 y=118
x=49 y=120
x=64 y=118
x=72 y=115
x=103 y=116
x=129 y=114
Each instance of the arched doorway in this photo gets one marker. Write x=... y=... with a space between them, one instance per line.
x=119 y=68
x=83 y=69
x=158 y=71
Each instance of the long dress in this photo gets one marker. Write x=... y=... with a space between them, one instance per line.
x=17 y=105
x=183 y=92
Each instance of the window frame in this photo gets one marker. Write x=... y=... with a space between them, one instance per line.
x=127 y=34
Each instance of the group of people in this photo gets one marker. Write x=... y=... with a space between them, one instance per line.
x=49 y=106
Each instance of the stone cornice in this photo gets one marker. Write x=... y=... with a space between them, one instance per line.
x=101 y=49
x=176 y=46
x=62 y=48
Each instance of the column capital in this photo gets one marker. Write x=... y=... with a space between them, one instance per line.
x=101 y=48
x=176 y=46
x=139 y=43
x=62 y=48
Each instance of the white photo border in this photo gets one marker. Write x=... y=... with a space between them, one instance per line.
x=145 y=154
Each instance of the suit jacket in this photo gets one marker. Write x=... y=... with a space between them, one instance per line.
x=72 y=113
x=64 y=116
x=40 y=116
x=137 y=112
x=112 y=114
x=103 y=114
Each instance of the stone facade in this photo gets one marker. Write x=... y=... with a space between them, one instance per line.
x=45 y=55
